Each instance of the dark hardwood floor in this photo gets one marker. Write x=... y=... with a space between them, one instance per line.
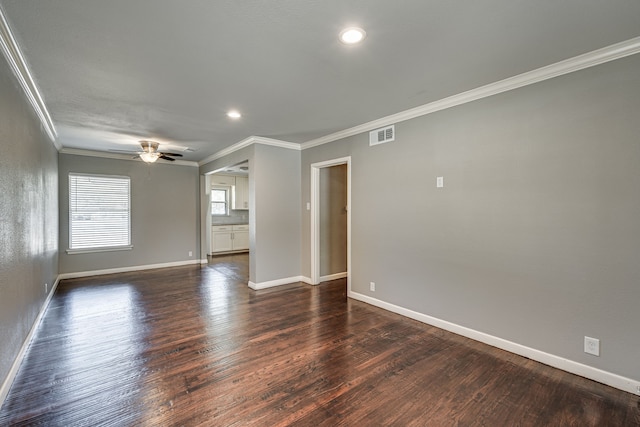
x=195 y=346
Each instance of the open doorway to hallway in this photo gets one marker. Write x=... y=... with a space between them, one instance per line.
x=331 y=220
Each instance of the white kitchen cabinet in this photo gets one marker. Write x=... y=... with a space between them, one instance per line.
x=241 y=193
x=229 y=238
x=221 y=238
x=226 y=180
x=240 y=237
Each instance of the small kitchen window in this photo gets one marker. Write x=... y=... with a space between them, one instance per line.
x=220 y=201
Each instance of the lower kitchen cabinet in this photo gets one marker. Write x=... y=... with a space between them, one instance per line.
x=229 y=238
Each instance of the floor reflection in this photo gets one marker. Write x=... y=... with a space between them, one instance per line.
x=194 y=345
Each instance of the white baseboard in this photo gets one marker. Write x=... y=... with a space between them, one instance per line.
x=127 y=269
x=306 y=280
x=333 y=277
x=277 y=282
x=204 y=261
x=595 y=374
x=8 y=381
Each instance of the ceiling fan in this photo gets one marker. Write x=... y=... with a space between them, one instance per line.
x=150 y=153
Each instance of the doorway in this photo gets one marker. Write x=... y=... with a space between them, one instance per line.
x=331 y=221
x=226 y=208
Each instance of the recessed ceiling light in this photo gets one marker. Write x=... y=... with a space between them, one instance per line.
x=352 y=35
x=233 y=114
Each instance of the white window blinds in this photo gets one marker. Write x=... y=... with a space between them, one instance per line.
x=99 y=211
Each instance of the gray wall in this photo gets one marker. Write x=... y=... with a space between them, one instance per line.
x=535 y=237
x=276 y=175
x=333 y=220
x=164 y=213
x=274 y=209
x=28 y=217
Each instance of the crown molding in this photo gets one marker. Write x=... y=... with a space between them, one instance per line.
x=16 y=60
x=247 y=142
x=117 y=156
x=580 y=62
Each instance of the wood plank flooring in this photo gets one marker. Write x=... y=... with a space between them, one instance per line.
x=193 y=345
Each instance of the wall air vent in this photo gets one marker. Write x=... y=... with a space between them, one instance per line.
x=382 y=135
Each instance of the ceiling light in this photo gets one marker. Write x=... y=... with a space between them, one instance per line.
x=233 y=114
x=149 y=157
x=352 y=35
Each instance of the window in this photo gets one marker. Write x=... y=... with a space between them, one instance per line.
x=220 y=201
x=99 y=212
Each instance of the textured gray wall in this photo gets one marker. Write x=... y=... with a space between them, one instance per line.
x=276 y=174
x=28 y=217
x=333 y=220
x=535 y=237
x=164 y=213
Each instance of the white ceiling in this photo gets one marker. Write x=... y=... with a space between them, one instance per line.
x=113 y=72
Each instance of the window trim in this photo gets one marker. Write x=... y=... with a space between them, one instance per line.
x=72 y=251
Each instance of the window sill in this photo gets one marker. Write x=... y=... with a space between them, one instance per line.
x=95 y=250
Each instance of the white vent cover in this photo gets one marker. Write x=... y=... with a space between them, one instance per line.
x=380 y=136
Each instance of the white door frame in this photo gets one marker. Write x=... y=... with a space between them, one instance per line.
x=315 y=217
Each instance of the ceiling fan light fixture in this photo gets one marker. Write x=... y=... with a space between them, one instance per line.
x=149 y=157
x=149 y=146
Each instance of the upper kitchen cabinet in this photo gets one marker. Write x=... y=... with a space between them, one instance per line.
x=226 y=180
x=241 y=193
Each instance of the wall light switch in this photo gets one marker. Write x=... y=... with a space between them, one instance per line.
x=308 y=206
x=439 y=181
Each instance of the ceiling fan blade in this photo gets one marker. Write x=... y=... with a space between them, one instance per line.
x=162 y=156
x=171 y=154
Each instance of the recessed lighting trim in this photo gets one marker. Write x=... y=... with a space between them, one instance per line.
x=234 y=114
x=352 y=35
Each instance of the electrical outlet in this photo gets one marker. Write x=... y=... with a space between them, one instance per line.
x=372 y=286
x=440 y=182
x=592 y=346
x=190 y=253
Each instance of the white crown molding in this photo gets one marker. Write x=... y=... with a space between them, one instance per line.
x=590 y=59
x=276 y=143
x=247 y=142
x=118 y=156
x=629 y=385
x=16 y=60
